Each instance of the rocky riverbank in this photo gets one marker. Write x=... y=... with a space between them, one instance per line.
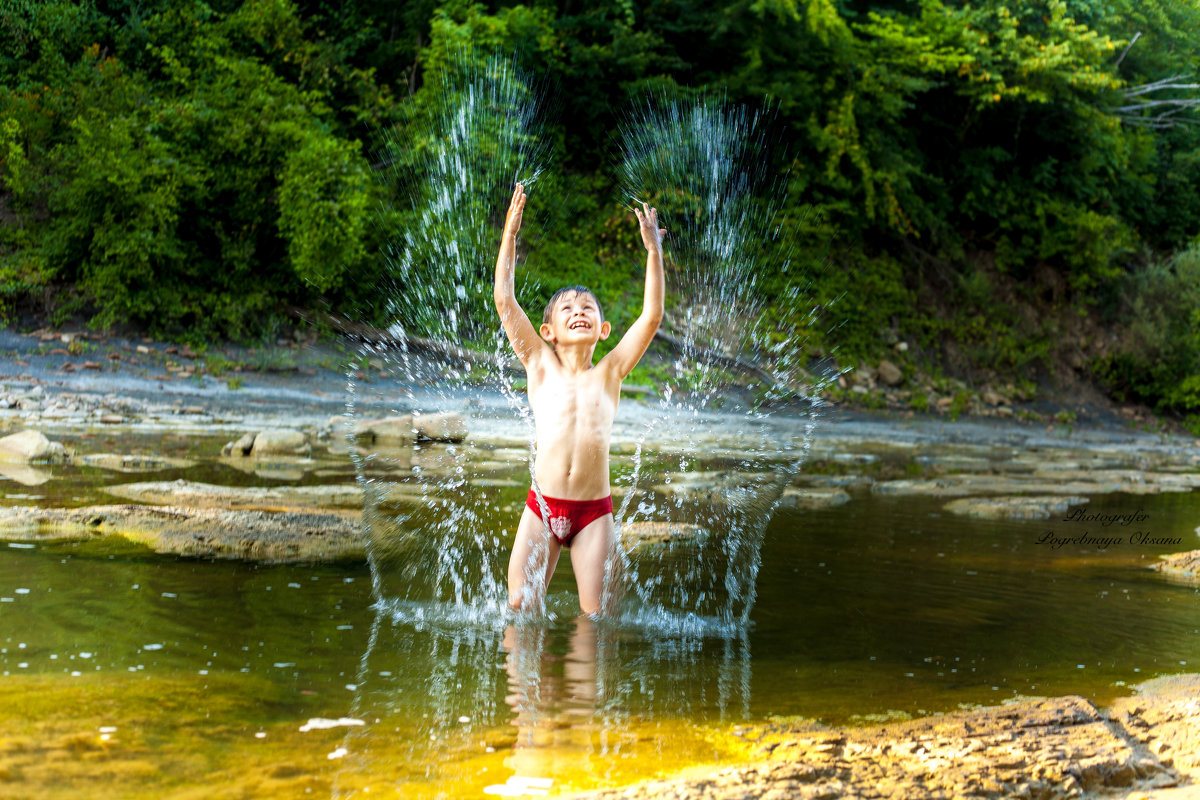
x=1145 y=746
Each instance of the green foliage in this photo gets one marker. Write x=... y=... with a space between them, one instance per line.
x=200 y=166
x=1157 y=360
x=184 y=185
x=324 y=205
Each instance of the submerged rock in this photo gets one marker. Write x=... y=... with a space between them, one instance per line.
x=1014 y=506
x=270 y=537
x=31 y=447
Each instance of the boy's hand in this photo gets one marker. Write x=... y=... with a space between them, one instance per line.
x=516 y=208
x=651 y=233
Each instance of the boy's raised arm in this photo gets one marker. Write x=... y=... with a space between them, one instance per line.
x=633 y=344
x=520 y=330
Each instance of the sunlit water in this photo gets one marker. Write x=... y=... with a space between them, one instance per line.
x=137 y=675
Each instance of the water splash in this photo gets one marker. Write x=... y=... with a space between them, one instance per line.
x=707 y=165
x=432 y=544
x=456 y=163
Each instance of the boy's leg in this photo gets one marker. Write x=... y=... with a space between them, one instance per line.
x=591 y=550
x=535 y=552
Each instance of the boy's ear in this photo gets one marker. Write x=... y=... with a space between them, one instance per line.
x=605 y=329
x=548 y=332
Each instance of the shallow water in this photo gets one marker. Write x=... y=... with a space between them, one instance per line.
x=127 y=673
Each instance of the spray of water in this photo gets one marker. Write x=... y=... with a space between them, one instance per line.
x=433 y=546
x=707 y=165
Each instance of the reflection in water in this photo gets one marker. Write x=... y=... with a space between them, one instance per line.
x=530 y=707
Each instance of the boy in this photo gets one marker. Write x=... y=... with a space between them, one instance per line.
x=573 y=402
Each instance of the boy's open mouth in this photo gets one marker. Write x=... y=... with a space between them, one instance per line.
x=579 y=323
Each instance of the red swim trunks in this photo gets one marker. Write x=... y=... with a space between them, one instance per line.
x=569 y=517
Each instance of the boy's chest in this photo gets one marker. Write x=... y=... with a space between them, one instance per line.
x=585 y=396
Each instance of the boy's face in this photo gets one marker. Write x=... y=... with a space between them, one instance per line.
x=575 y=318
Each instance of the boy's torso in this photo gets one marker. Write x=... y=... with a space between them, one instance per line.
x=573 y=414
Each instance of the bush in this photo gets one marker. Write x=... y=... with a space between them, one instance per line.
x=1157 y=360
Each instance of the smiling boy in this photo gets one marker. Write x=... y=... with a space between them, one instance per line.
x=574 y=402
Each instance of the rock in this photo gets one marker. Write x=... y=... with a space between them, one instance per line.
x=336 y=426
x=810 y=499
x=447 y=426
x=1014 y=507
x=31 y=447
x=1043 y=748
x=634 y=534
x=132 y=463
x=207 y=495
x=753 y=493
x=992 y=399
x=964 y=485
x=280 y=442
x=1165 y=712
x=890 y=374
x=241 y=447
x=1180 y=565
x=207 y=533
x=397 y=429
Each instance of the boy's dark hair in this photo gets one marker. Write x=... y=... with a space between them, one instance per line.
x=574 y=290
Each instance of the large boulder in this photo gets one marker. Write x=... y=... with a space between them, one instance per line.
x=282 y=443
x=31 y=447
x=447 y=426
